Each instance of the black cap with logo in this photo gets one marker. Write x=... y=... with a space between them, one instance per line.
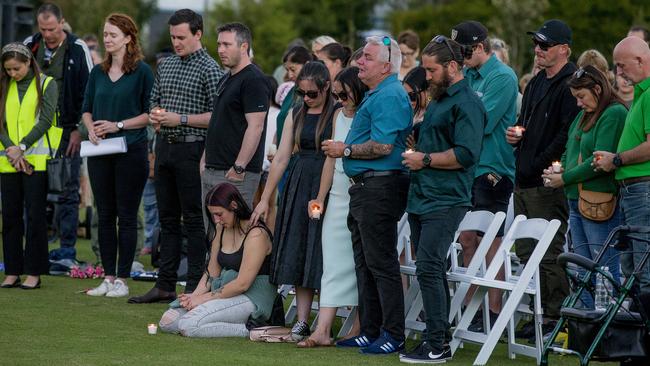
x=553 y=31
x=468 y=33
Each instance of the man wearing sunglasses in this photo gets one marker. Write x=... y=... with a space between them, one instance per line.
x=547 y=110
x=496 y=85
x=372 y=159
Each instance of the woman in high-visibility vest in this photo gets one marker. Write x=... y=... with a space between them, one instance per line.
x=28 y=109
x=116 y=104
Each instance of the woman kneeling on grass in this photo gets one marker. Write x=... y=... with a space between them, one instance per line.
x=235 y=286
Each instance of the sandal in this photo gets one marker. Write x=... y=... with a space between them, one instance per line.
x=310 y=343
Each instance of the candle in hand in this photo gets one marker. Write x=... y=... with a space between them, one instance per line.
x=316 y=210
x=518 y=131
x=557 y=167
x=152 y=328
x=409 y=151
x=273 y=148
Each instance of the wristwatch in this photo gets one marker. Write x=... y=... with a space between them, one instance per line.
x=185 y=120
x=426 y=160
x=238 y=169
x=120 y=125
x=22 y=147
x=617 y=160
x=347 y=151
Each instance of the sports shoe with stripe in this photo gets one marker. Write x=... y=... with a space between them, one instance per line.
x=383 y=345
x=359 y=341
x=424 y=353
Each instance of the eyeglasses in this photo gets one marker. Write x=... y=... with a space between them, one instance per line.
x=386 y=41
x=439 y=39
x=413 y=96
x=544 y=46
x=312 y=94
x=342 y=96
x=407 y=54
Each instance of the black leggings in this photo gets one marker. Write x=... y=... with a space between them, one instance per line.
x=117 y=181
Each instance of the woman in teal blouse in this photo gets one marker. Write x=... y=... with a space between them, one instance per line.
x=597 y=127
x=116 y=104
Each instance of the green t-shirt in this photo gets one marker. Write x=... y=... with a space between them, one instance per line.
x=603 y=136
x=54 y=67
x=455 y=121
x=637 y=126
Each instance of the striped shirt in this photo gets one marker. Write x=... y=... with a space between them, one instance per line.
x=186 y=86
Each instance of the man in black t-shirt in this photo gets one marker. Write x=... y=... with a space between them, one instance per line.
x=234 y=147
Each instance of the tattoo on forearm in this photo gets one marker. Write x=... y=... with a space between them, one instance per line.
x=371 y=150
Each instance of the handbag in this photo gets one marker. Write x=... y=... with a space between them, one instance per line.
x=595 y=206
x=58 y=171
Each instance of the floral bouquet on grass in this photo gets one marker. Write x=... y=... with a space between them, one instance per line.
x=89 y=271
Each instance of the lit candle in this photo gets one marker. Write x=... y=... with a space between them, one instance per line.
x=273 y=148
x=316 y=210
x=152 y=328
x=409 y=151
x=518 y=131
x=557 y=167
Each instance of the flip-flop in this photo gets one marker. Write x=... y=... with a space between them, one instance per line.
x=310 y=343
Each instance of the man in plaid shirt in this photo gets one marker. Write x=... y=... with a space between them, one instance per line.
x=181 y=106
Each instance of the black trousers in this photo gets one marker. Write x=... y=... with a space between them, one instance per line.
x=178 y=192
x=20 y=193
x=376 y=205
x=117 y=181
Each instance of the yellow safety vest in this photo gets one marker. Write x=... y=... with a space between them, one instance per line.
x=21 y=118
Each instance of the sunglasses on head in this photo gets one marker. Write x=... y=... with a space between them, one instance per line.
x=312 y=94
x=582 y=72
x=342 y=96
x=544 y=46
x=386 y=41
x=413 y=96
x=440 y=39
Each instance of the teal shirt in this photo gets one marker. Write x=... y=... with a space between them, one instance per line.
x=496 y=85
x=455 y=121
x=288 y=103
x=384 y=116
x=125 y=98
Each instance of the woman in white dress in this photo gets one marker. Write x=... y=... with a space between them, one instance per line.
x=339 y=282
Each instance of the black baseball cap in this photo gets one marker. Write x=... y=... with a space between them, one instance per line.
x=469 y=33
x=553 y=31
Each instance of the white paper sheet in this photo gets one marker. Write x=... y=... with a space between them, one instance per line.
x=113 y=145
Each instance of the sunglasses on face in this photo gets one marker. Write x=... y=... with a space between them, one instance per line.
x=413 y=96
x=312 y=94
x=544 y=46
x=440 y=39
x=342 y=96
x=386 y=41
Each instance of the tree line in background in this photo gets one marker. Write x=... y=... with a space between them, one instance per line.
x=598 y=24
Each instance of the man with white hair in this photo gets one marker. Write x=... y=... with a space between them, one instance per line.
x=632 y=158
x=372 y=159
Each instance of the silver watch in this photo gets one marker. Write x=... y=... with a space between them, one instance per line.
x=120 y=125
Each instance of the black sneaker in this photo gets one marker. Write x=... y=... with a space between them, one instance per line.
x=526 y=331
x=477 y=324
x=547 y=329
x=300 y=331
x=424 y=353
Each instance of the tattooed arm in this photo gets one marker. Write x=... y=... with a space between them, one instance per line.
x=370 y=150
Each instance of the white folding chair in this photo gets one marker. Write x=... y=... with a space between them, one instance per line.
x=515 y=287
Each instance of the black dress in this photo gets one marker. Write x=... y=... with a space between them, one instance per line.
x=297 y=256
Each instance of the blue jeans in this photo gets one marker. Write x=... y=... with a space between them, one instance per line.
x=635 y=206
x=151 y=222
x=584 y=232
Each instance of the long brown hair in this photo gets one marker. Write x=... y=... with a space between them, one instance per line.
x=5 y=80
x=589 y=78
x=133 y=52
x=318 y=74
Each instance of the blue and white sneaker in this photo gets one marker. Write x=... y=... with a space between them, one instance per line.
x=359 y=341
x=383 y=345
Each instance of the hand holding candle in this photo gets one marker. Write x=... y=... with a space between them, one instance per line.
x=409 y=151
x=316 y=210
x=557 y=167
x=518 y=131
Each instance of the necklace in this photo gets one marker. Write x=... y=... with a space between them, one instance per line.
x=48 y=61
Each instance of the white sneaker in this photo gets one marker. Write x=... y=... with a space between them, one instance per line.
x=120 y=289
x=101 y=290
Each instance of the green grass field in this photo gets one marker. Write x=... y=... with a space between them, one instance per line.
x=56 y=325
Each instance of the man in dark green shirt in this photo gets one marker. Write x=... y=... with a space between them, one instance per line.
x=442 y=173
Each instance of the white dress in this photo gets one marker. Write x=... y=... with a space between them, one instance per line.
x=339 y=281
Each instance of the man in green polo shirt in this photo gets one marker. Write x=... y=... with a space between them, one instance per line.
x=442 y=173
x=496 y=85
x=632 y=158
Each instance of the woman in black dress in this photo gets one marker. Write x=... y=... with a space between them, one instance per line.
x=296 y=257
